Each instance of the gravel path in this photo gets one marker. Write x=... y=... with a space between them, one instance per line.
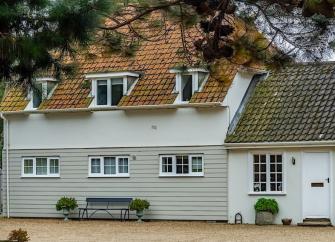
x=49 y=230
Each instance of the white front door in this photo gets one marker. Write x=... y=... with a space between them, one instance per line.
x=316 y=186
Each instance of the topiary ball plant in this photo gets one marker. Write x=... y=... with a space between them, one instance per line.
x=267 y=205
x=139 y=204
x=66 y=204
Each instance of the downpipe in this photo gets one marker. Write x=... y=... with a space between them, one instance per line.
x=6 y=139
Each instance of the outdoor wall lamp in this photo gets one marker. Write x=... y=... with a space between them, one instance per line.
x=293 y=161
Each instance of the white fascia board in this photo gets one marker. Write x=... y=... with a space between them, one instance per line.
x=115 y=108
x=176 y=70
x=45 y=79
x=268 y=145
x=110 y=75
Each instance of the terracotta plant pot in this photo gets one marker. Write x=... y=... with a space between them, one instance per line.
x=264 y=218
x=286 y=221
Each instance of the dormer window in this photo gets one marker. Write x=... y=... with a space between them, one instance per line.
x=41 y=90
x=109 y=88
x=188 y=82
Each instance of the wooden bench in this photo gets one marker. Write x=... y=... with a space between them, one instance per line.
x=95 y=204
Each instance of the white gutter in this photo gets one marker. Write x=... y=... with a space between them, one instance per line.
x=6 y=125
x=124 y=108
x=298 y=144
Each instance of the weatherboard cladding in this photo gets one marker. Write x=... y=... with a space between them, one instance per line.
x=156 y=86
x=296 y=103
x=194 y=198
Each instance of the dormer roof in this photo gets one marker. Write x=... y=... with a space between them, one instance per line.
x=153 y=60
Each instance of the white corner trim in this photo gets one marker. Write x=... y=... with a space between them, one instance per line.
x=110 y=74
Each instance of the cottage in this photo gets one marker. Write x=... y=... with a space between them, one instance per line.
x=135 y=126
x=282 y=143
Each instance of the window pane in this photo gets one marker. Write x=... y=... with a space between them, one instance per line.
x=197 y=164
x=182 y=164
x=276 y=172
x=116 y=90
x=41 y=166
x=102 y=92
x=54 y=166
x=28 y=166
x=260 y=177
x=166 y=164
x=109 y=166
x=123 y=165
x=95 y=166
x=186 y=85
x=37 y=95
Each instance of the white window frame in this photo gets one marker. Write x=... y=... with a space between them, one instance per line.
x=251 y=173
x=174 y=166
x=34 y=175
x=101 y=174
x=95 y=77
x=194 y=72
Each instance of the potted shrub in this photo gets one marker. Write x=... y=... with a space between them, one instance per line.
x=139 y=205
x=266 y=209
x=66 y=204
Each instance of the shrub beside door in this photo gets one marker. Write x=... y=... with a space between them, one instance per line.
x=266 y=209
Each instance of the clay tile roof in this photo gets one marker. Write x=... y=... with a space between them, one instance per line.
x=296 y=103
x=153 y=59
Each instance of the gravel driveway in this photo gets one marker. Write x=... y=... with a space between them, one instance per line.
x=45 y=230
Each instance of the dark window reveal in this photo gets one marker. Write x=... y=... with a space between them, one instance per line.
x=187 y=90
x=117 y=93
x=102 y=92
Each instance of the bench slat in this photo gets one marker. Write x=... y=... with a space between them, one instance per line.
x=108 y=200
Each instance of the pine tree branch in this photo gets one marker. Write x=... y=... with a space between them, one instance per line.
x=142 y=14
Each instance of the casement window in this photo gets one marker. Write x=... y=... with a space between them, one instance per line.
x=109 y=166
x=181 y=165
x=267 y=175
x=109 y=88
x=188 y=82
x=41 y=90
x=40 y=167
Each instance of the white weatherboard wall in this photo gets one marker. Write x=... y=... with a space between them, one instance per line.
x=177 y=127
x=290 y=204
